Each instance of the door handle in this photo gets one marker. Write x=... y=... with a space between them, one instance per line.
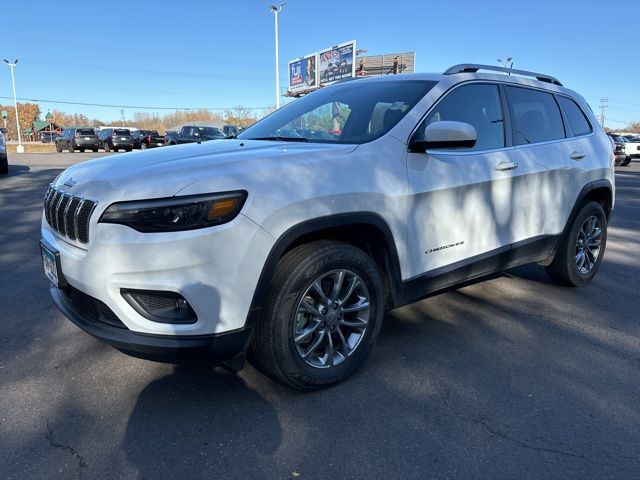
x=577 y=155
x=503 y=166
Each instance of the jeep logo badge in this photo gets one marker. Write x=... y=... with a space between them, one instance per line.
x=70 y=182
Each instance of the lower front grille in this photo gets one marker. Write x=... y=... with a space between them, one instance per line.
x=91 y=308
x=68 y=215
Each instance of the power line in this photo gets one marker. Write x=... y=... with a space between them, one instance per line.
x=39 y=100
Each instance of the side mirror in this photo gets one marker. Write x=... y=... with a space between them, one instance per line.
x=444 y=135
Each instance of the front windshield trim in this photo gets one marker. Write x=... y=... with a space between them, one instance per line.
x=257 y=132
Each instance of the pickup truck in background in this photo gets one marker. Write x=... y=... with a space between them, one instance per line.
x=143 y=139
x=192 y=134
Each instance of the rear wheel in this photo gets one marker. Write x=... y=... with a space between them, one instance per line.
x=626 y=161
x=582 y=248
x=81 y=150
x=322 y=316
x=95 y=150
x=58 y=148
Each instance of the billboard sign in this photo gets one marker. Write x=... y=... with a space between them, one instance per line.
x=303 y=73
x=336 y=63
x=388 y=64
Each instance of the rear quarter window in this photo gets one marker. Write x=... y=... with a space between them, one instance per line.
x=577 y=119
x=535 y=116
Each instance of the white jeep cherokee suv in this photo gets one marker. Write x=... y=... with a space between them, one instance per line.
x=290 y=241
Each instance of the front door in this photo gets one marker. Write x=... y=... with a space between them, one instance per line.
x=462 y=199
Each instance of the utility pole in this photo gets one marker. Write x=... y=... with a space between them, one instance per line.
x=19 y=148
x=122 y=116
x=603 y=106
x=276 y=9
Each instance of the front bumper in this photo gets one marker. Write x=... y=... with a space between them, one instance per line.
x=166 y=348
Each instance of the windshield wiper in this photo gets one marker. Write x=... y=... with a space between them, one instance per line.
x=282 y=139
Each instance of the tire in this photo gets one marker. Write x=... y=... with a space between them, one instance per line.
x=626 y=162
x=94 y=150
x=115 y=149
x=273 y=349
x=107 y=148
x=128 y=149
x=565 y=269
x=58 y=148
x=71 y=148
x=81 y=150
x=4 y=164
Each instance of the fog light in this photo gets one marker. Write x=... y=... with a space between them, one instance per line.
x=160 y=306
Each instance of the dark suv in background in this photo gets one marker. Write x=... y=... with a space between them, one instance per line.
x=116 y=139
x=77 y=138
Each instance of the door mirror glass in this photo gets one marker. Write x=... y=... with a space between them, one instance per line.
x=444 y=135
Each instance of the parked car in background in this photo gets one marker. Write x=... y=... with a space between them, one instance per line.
x=633 y=146
x=47 y=137
x=192 y=134
x=619 y=150
x=116 y=139
x=4 y=162
x=77 y=138
x=143 y=139
x=232 y=130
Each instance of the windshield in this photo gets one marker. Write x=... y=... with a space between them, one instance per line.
x=210 y=132
x=351 y=112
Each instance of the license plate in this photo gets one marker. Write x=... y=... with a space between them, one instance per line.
x=122 y=138
x=160 y=144
x=87 y=138
x=50 y=263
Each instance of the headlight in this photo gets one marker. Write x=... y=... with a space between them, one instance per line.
x=177 y=213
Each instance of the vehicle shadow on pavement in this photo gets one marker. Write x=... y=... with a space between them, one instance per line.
x=16 y=170
x=199 y=422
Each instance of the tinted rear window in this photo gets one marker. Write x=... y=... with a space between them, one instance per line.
x=86 y=131
x=536 y=116
x=122 y=132
x=577 y=119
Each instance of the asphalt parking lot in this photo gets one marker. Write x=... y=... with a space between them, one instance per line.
x=512 y=377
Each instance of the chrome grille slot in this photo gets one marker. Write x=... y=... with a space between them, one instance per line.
x=68 y=215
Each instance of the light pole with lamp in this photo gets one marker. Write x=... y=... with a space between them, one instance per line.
x=276 y=9
x=19 y=148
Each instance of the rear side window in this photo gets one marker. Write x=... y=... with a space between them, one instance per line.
x=577 y=119
x=536 y=116
x=477 y=105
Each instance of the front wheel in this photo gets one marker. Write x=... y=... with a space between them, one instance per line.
x=58 y=148
x=322 y=316
x=582 y=248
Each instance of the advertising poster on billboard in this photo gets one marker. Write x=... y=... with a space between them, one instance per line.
x=303 y=73
x=336 y=63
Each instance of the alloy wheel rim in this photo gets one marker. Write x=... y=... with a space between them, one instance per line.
x=588 y=244
x=331 y=318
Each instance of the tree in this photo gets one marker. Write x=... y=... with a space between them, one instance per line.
x=239 y=115
x=27 y=114
x=633 y=127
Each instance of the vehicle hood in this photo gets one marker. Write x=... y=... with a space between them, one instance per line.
x=163 y=172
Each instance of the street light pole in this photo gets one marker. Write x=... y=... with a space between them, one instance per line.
x=276 y=9
x=19 y=148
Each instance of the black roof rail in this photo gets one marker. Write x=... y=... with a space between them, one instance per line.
x=473 y=68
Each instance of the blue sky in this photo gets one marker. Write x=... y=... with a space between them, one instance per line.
x=219 y=54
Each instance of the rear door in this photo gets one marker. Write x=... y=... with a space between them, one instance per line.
x=463 y=200
x=555 y=164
